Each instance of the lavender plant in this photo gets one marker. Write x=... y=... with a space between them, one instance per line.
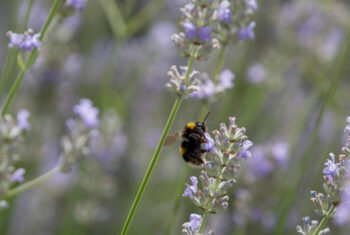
x=326 y=203
x=220 y=170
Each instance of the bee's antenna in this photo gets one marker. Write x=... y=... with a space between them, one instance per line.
x=206 y=117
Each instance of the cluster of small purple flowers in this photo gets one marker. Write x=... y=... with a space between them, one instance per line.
x=11 y=132
x=76 y=4
x=26 y=41
x=220 y=169
x=209 y=23
x=76 y=143
x=336 y=191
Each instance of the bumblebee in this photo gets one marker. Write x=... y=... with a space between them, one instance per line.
x=191 y=145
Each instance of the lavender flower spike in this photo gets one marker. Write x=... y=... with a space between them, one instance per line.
x=224 y=13
x=247 y=33
x=87 y=112
x=27 y=41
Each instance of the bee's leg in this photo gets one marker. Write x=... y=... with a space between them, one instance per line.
x=198 y=137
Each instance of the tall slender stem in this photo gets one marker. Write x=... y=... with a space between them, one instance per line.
x=32 y=57
x=324 y=220
x=32 y=183
x=114 y=17
x=158 y=149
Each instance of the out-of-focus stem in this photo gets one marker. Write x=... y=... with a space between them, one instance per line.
x=32 y=183
x=115 y=18
x=158 y=149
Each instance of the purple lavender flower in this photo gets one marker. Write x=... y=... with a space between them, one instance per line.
x=252 y=4
x=190 y=30
x=224 y=13
x=245 y=153
x=22 y=117
x=26 y=41
x=331 y=168
x=247 y=32
x=209 y=145
x=77 y=4
x=203 y=33
x=347 y=128
x=87 y=112
x=280 y=152
x=191 y=189
x=195 y=222
x=260 y=165
x=17 y=176
x=30 y=42
x=226 y=78
x=15 y=39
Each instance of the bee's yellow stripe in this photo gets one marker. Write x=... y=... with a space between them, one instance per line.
x=191 y=125
x=182 y=150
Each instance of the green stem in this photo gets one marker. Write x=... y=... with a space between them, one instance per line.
x=158 y=149
x=151 y=165
x=115 y=18
x=32 y=57
x=219 y=62
x=32 y=183
x=324 y=220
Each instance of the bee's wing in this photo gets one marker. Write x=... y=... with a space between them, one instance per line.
x=170 y=139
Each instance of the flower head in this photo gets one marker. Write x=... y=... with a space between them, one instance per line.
x=191 y=189
x=226 y=78
x=22 y=117
x=247 y=33
x=331 y=168
x=209 y=145
x=17 y=176
x=245 y=153
x=27 y=41
x=195 y=221
x=252 y=4
x=224 y=13
x=87 y=112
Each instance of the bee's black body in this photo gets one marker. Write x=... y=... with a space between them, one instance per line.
x=191 y=146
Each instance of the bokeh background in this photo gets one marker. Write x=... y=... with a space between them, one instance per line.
x=291 y=92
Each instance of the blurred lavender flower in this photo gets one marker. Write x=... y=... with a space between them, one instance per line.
x=87 y=112
x=224 y=12
x=207 y=88
x=256 y=73
x=191 y=227
x=22 y=117
x=252 y=4
x=342 y=214
x=209 y=146
x=26 y=41
x=76 y=4
x=17 y=176
x=245 y=153
x=247 y=32
x=191 y=190
x=331 y=168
